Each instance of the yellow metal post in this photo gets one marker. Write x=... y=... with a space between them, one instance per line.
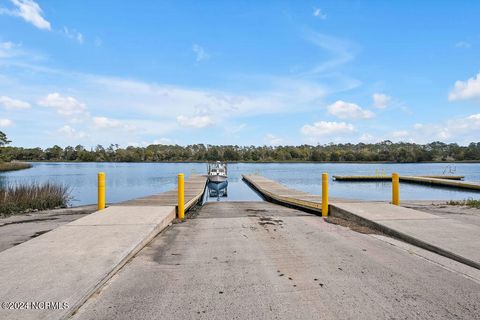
x=324 y=194
x=395 y=189
x=101 y=190
x=181 y=196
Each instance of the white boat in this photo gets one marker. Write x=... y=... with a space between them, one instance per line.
x=217 y=172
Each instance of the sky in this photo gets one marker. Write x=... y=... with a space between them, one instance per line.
x=238 y=72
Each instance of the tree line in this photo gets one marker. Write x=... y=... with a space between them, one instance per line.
x=382 y=151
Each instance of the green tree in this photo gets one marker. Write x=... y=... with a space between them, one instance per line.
x=3 y=139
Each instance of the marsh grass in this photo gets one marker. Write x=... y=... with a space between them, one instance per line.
x=11 y=166
x=23 y=198
x=472 y=203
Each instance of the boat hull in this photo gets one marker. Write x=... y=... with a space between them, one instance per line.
x=217 y=178
x=218 y=185
x=217 y=189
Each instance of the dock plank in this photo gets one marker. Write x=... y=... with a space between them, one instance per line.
x=194 y=188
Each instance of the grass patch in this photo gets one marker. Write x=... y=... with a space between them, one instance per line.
x=472 y=203
x=11 y=166
x=25 y=198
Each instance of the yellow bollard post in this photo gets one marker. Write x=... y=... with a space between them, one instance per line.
x=181 y=196
x=324 y=194
x=395 y=189
x=101 y=190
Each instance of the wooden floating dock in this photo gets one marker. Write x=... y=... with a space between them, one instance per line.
x=389 y=178
x=278 y=193
x=443 y=181
x=194 y=189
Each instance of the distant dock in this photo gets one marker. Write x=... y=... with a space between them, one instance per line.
x=443 y=181
x=388 y=178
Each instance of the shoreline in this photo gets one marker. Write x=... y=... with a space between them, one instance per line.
x=14 y=166
x=265 y=162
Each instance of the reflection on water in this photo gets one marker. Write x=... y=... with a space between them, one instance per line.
x=132 y=180
x=217 y=190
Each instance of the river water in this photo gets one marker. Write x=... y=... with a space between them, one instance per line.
x=131 y=180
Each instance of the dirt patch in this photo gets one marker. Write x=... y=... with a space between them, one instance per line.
x=39 y=233
x=27 y=221
x=264 y=221
x=193 y=212
x=351 y=225
x=270 y=219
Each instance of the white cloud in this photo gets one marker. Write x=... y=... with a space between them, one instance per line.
x=73 y=34
x=234 y=129
x=381 y=100
x=162 y=141
x=460 y=130
x=317 y=12
x=200 y=52
x=5 y=123
x=104 y=122
x=326 y=128
x=157 y=109
x=157 y=100
x=8 y=49
x=7 y=45
x=367 y=138
x=109 y=123
x=273 y=140
x=195 y=121
x=400 y=134
x=29 y=11
x=66 y=106
x=463 y=44
x=466 y=90
x=71 y=132
x=341 y=51
x=10 y=103
x=345 y=110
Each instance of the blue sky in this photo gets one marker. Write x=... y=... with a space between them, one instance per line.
x=244 y=72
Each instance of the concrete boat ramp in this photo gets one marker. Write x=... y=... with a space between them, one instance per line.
x=247 y=260
x=67 y=265
x=449 y=237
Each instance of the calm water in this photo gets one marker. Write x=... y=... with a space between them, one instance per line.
x=131 y=180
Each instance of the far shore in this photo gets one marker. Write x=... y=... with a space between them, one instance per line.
x=261 y=162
